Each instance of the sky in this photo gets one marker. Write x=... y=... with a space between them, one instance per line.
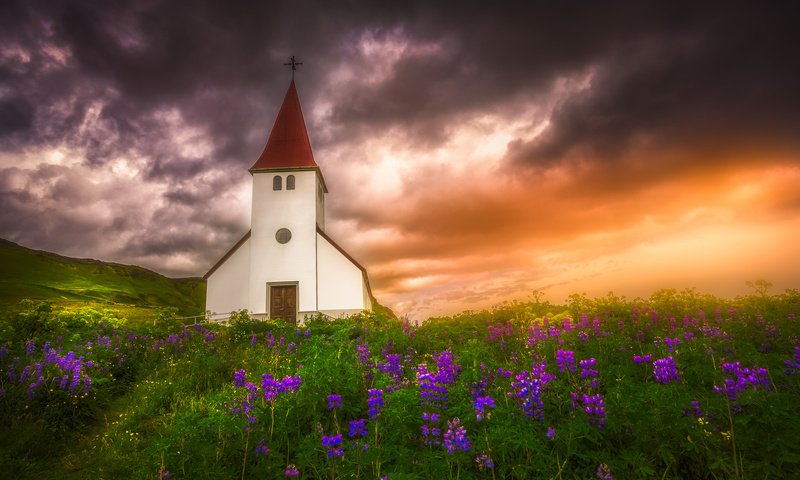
x=474 y=154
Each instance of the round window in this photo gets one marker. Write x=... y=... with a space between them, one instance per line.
x=283 y=235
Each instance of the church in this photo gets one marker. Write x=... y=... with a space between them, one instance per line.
x=286 y=266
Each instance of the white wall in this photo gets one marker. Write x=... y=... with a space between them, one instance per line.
x=227 y=287
x=272 y=262
x=341 y=283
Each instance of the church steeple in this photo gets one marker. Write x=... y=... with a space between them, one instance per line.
x=288 y=145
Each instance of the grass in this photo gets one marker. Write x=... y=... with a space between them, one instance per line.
x=70 y=284
x=162 y=397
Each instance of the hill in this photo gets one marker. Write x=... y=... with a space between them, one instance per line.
x=40 y=275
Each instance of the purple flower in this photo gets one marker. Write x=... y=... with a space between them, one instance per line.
x=357 y=428
x=291 y=471
x=334 y=444
x=272 y=387
x=375 y=402
x=392 y=367
x=565 y=359
x=362 y=351
x=588 y=368
x=334 y=400
x=455 y=438
x=603 y=472
x=484 y=461
x=594 y=407
x=292 y=384
x=261 y=449
x=481 y=404
x=528 y=389
x=665 y=371
x=741 y=378
x=239 y=378
x=642 y=359
x=30 y=349
x=551 y=433
x=254 y=339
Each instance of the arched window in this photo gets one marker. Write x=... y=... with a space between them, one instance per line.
x=290 y=182
x=277 y=182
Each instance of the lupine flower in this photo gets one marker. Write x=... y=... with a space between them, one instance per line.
x=291 y=471
x=239 y=378
x=30 y=349
x=484 y=461
x=334 y=444
x=455 y=438
x=551 y=433
x=481 y=404
x=272 y=387
x=603 y=472
x=695 y=412
x=594 y=407
x=292 y=384
x=793 y=365
x=642 y=358
x=565 y=359
x=362 y=351
x=583 y=336
x=392 y=367
x=665 y=371
x=334 y=400
x=755 y=377
x=357 y=428
x=261 y=449
x=528 y=389
x=671 y=343
x=254 y=339
x=588 y=368
x=375 y=402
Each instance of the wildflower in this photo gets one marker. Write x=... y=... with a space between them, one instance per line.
x=742 y=378
x=261 y=449
x=334 y=444
x=551 y=433
x=671 y=343
x=565 y=359
x=665 y=371
x=642 y=359
x=594 y=407
x=362 y=351
x=239 y=378
x=528 y=388
x=254 y=339
x=357 y=428
x=603 y=472
x=588 y=368
x=392 y=367
x=30 y=349
x=481 y=404
x=484 y=461
x=456 y=437
x=375 y=402
x=272 y=387
x=291 y=471
x=334 y=400
x=291 y=384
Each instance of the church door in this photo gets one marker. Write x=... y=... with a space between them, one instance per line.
x=283 y=302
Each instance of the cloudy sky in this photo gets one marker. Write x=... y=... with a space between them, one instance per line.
x=472 y=154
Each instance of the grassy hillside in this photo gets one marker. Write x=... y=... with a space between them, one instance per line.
x=35 y=274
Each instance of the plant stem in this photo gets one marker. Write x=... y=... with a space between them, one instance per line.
x=244 y=459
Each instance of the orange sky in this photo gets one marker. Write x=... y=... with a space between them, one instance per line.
x=472 y=154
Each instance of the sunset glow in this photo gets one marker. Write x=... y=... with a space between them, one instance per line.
x=570 y=151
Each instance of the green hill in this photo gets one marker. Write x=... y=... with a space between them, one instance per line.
x=40 y=275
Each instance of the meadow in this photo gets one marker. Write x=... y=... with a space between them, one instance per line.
x=681 y=385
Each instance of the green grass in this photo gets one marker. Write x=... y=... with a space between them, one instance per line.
x=70 y=283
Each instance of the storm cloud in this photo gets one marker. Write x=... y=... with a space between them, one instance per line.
x=473 y=153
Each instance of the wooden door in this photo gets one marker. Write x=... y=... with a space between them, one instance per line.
x=283 y=302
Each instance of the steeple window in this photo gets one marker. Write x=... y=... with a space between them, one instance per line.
x=277 y=182
x=290 y=182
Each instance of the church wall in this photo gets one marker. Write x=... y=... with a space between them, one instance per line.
x=271 y=261
x=341 y=284
x=227 y=287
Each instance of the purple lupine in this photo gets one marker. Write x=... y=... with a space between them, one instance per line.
x=261 y=449
x=695 y=411
x=551 y=433
x=755 y=377
x=291 y=384
x=594 y=407
x=455 y=438
x=334 y=444
x=665 y=371
x=484 y=461
x=239 y=378
x=565 y=359
x=642 y=359
x=30 y=349
x=793 y=364
x=254 y=339
x=588 y=369
x=291 y=471
x=481 y=404
x=603 y=472
x=671 y=343
x=527 y=388
x=583 y=336
x=362 y=351
x=392 y=367
x=272 y=387
x=334 y=400
x=375 y=402
x=357 y=428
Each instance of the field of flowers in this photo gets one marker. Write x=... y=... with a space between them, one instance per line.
x=680 y=385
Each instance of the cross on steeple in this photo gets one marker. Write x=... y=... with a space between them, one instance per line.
x=293 y=63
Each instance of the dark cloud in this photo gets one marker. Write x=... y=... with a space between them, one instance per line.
x=137 y=121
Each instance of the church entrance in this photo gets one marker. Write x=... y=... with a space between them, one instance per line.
x=283 y=302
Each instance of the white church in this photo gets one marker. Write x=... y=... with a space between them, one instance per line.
x=286 y=266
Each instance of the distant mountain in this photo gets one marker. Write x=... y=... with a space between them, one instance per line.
x=36 y=274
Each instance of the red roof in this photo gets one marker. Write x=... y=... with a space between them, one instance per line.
x=288 y=145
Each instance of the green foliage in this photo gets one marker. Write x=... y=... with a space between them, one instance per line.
x=163 y=394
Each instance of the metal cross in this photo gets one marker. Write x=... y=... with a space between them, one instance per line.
x=293 y=63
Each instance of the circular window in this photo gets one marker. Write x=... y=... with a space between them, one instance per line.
x=283 y=235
